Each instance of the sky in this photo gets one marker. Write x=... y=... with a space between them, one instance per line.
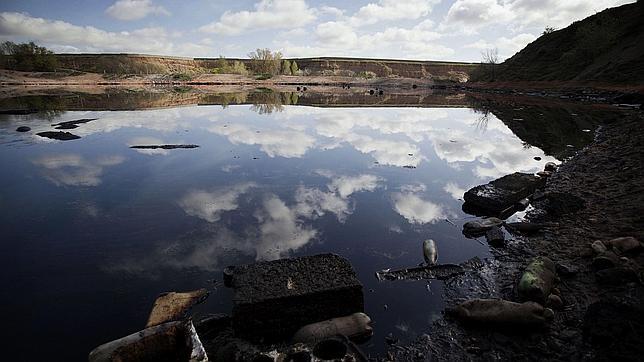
x=455 y=30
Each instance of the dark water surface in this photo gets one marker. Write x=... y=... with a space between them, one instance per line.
x=92 y=230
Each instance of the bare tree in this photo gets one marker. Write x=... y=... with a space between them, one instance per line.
x=264 y=61
x=490 y=61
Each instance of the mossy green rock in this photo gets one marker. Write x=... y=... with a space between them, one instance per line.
x=537 y=280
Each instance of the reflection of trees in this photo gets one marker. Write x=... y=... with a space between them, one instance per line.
x=265 y=101
x=40 y=106
x=234 y=98
x=484 y=115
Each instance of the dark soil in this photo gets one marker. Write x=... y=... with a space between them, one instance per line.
x=596 y=195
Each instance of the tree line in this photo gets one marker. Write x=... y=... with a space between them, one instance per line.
x=27 y=57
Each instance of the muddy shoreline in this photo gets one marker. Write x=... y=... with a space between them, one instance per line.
x=596 y=195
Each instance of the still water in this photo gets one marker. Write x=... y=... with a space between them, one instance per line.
x=93 y=230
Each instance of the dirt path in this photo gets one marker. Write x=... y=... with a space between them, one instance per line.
x=597 y=195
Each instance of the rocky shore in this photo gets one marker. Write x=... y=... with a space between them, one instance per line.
x=592 y=199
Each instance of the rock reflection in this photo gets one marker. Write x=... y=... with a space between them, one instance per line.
x=74 y=169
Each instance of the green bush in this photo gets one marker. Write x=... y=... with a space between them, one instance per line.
x=183 y=77
x=264 y=61
x=286 y=67
x=294 y=68
x=28 y=57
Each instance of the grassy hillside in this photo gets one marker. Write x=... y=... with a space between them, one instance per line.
x=607 y=47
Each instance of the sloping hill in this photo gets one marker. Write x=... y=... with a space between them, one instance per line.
x=607 y=47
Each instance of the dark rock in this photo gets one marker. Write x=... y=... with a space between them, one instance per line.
x=272 y=300
x=163 y=147
x=480 y=227
x=495 y=236
x=624 y=245
x=566 y=270
x=544 y=174
x=60 y=135
x=616 y=276
x=228 y=272
x=598 y=247
x=501 y=312
x=554 y=302
x=605 y=260
x=371 y=91
x=23 y=129
x=550 y=166
x=537 y=158
x=525 y=228
x=72 y=124
x=502 y=193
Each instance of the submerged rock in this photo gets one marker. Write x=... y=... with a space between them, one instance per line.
x=537 y=280
x=502 y=193
x=72 y=124
x=479 y=227
x=23 y=129
x=173 y=306
x=503 y=312
x=163 y=147
x=60 y=135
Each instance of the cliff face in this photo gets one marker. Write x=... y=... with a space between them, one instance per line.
x=604 y=47
x=146 y=64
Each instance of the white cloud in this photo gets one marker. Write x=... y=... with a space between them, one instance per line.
x=277 y=142
x=347 y=185
x=63 y=35
x=392 y=10
x=330 y=10
x=74 y=169
x=313 y=203
x=471 y=15
x=268 y=14
x=454 y=190
x=341 y=38
x=209 y=205
x=134 y=9
x=417 y=210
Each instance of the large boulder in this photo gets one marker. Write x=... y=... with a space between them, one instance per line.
x=502 y=193
x=273 y=299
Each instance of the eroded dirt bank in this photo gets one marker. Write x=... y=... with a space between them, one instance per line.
x=597 y=195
